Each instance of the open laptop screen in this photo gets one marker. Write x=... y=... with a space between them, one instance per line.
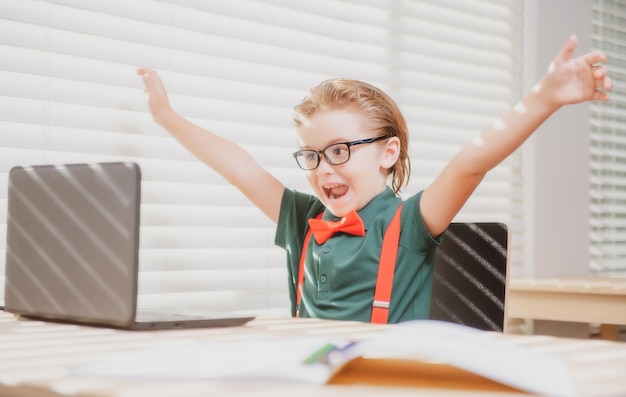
x=72 y=241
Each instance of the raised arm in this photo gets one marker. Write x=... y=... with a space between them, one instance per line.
x=225 y=157
x=568 y=81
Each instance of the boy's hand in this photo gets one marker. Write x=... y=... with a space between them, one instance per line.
x=158 y=102
x=575 y=80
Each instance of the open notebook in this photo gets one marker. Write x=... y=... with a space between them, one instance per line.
x=73 y=248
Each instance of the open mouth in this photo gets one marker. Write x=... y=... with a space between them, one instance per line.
x=335 y=191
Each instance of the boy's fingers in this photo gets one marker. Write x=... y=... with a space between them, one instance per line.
x=599 y=71
x=144 y=73
x=595 y=57
x=568 y=49
x=601 y=96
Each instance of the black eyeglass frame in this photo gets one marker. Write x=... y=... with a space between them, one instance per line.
x=319 y=153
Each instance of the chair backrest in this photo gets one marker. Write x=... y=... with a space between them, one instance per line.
x=470 y=276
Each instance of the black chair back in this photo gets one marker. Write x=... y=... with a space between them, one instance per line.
x=470 y=276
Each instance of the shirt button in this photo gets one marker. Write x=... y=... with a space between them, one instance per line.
x=323 y=278
x=326 y=250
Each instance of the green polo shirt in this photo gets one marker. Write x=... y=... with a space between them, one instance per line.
x=340 y=274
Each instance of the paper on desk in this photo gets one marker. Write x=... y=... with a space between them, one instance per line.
x=283 y=359
x=475 y=351
x=196 y=359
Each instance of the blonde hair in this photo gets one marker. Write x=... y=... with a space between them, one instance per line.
x=379 y=109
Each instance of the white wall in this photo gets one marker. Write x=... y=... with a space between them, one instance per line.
x=556 y=158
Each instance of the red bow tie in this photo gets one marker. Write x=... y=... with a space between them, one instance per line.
x=323 y=230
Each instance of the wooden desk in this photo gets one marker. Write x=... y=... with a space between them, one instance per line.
x=583 y=299
x=35 y=358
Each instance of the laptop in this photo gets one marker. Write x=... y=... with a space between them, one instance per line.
x=73 y=249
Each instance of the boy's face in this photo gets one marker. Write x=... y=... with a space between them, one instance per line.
x=349 y=186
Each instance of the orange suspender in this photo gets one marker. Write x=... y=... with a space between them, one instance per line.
x=301 y=270
x=386 y=268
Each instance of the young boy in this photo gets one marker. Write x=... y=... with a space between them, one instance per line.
x=352 y=138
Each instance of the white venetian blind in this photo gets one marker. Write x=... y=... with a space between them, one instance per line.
x=608 y=145
x=69 y=93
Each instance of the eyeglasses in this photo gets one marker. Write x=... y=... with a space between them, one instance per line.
x=335 y=154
